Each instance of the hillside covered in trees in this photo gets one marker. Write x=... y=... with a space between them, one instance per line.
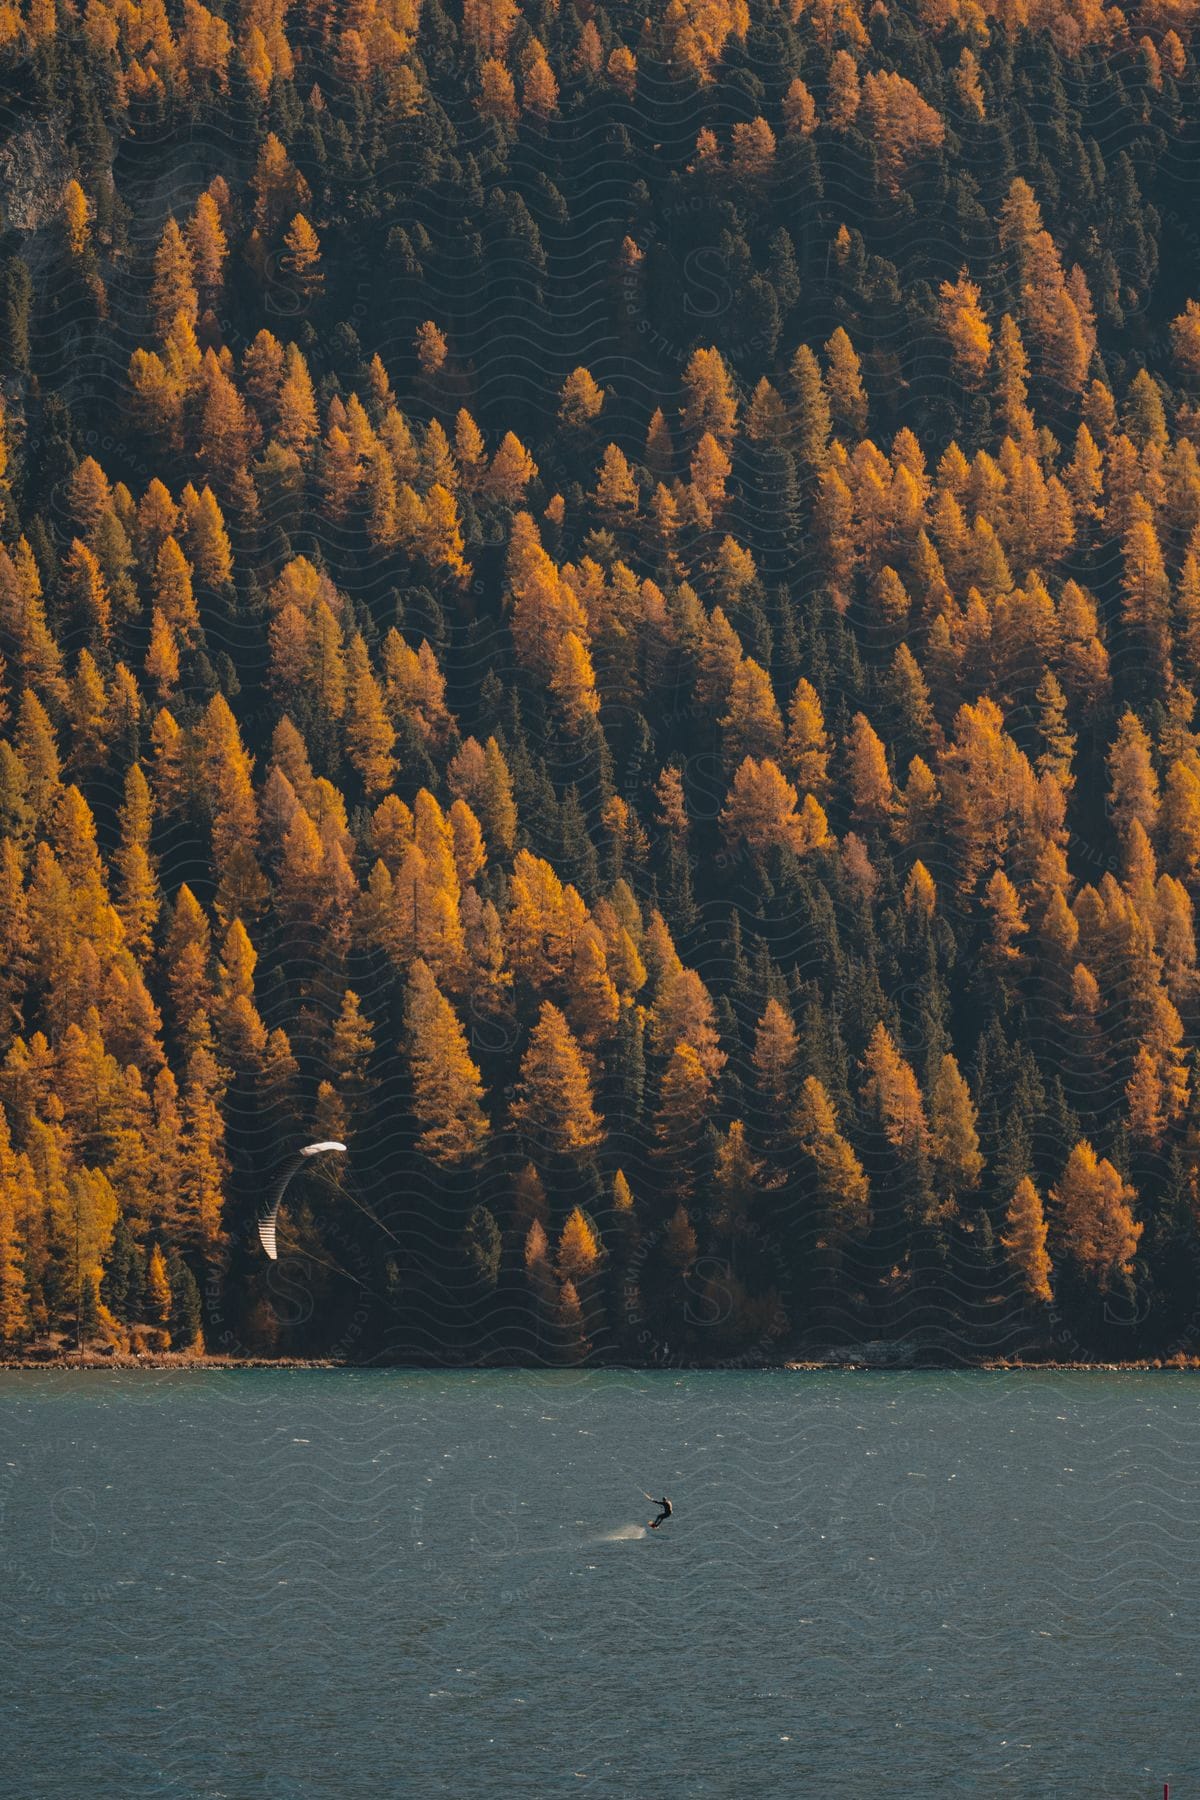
x=607 y=607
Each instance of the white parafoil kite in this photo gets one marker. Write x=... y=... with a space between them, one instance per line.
x=269 y=1214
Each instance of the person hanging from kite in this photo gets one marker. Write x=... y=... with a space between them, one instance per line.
x=664 y=1515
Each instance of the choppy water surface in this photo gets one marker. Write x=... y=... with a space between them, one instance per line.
x=354 y=1586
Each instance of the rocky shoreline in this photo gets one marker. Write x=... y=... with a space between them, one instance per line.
x=837 y=1364
x=185 y=1364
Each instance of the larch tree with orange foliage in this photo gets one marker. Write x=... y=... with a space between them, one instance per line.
x=1094 y=1219
x=447 y=1090
x=892 y=1095
x=1024 y=1240
x=763 y=811
x=966 y=327
x=842 y=1192
x=554 y=1109
x=710 y=402
x=776 y=1048
x=301 y=257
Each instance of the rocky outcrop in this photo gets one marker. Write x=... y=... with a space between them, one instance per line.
x=34 y=167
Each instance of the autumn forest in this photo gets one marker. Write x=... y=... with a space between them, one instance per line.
x=606 y=608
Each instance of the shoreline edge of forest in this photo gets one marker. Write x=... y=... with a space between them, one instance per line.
x=192 y=1365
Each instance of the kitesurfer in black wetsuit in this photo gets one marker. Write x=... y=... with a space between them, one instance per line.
x=664 y=1515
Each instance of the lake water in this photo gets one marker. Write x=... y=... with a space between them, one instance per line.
x=352 y=1586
